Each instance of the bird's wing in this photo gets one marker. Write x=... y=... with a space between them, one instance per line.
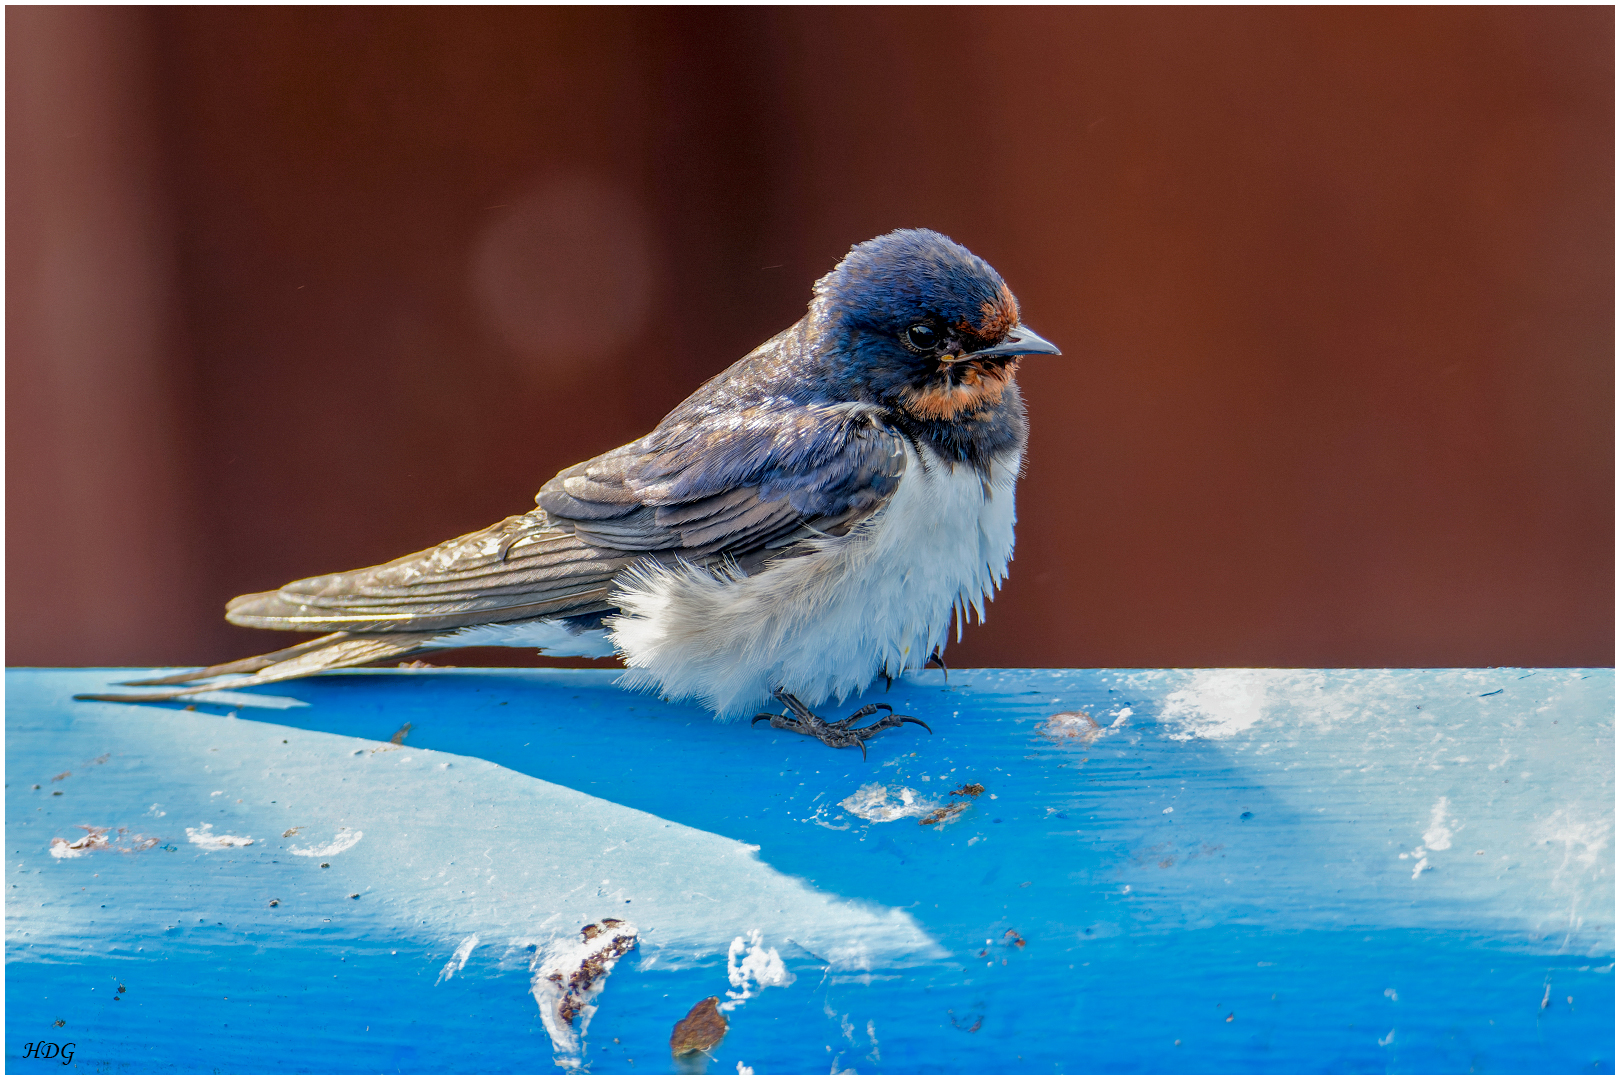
x=519 y=568
x=728 y=484
x=710 y=488
x=522 y=567
x=707 y=488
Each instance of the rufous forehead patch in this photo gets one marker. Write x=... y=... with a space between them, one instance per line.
x=996 y=317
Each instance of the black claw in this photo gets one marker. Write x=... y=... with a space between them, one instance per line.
x=846 y=724
x=940 y=660
x=841 y=734
x=888 y=722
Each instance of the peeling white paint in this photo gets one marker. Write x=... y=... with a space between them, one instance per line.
x=93 y=838
x=345 y=839
x=98 y=837
x=1066 y=726
x=874 y=802
x=570 y=975
x=458 y=959
x=1437 y=837
x=1566 y=827
x=1217 y=704
x=206 y=838
x=756 y=969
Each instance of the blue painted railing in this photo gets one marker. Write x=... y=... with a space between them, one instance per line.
x=1165 y=871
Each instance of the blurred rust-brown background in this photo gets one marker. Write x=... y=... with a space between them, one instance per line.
x=298 y=290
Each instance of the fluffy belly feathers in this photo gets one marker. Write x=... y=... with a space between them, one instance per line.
x=824 y=624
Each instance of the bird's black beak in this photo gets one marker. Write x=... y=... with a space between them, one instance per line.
x=1020 y=341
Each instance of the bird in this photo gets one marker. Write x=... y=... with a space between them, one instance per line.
x=814 y=517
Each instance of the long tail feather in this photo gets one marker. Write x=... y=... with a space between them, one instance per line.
x=350 y=650
x=246 y=665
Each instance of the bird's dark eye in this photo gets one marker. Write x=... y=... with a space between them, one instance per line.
x=922 y=337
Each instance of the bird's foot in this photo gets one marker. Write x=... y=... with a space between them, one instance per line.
x=839 y=734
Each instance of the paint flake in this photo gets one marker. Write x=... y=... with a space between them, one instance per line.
x=1071 y=727
x=874 y=802
x=206 y=838
x=751 y=967
x=458 y=959
x=567 y=978
x=700 y=1031
x=345 y=839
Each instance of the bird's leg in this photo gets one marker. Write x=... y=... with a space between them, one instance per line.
x=840 y=734
x=940 y=660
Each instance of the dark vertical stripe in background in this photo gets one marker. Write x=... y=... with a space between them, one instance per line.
x=294 y=290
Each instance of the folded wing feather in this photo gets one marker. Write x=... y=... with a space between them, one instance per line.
x=701 y=488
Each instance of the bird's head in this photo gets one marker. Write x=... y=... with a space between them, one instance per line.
x=922 y=325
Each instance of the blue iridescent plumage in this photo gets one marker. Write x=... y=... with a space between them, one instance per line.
x=780 y=421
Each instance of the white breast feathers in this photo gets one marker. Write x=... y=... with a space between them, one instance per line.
x=825 y=624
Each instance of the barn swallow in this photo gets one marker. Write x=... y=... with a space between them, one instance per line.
x=810 y=519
